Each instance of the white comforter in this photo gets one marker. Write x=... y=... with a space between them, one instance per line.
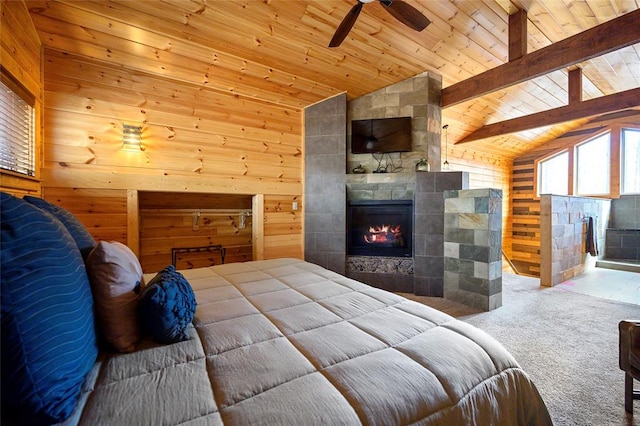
x=288 y=342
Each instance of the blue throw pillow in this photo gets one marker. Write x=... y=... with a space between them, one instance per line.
x=167 y=306
x=82 y=237
x=48 y=342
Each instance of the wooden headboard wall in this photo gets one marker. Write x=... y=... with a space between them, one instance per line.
x=194 y=141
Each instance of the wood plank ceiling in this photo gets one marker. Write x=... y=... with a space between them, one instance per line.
x=276 y=50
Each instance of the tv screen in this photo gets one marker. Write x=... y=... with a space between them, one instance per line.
x=381 y=135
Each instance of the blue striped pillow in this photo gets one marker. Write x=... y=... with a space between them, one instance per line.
x=82 y=237
x=48 y=333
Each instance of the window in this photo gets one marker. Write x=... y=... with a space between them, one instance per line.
x=592 y=166
x=553 y=175
x=606 y=165
x=630 y=161
x=17 y=128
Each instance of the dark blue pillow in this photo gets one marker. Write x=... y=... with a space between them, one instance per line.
x=167 y=306
x=82 y=237
x=48 y=342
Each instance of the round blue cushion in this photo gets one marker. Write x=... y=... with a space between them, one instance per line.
x=166 y=306
x=48 y=333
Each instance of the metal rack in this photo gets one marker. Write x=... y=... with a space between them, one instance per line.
x=177 y=250
x=242 y=214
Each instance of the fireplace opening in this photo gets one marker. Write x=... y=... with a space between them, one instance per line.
x=380 y=228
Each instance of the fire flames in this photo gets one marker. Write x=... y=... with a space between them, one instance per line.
x=383 y=234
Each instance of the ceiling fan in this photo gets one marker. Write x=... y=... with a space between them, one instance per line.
x=403 y=12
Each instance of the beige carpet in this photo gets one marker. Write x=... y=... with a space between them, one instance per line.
x=566 y=341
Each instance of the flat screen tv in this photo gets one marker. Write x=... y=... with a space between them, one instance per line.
x=380 y=135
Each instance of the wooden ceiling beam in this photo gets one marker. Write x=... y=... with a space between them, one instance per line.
x=604 y=38
x=575 y=85
x=573 y=111
x=517 y=35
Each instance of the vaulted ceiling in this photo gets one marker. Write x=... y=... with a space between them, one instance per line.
x=276 y=50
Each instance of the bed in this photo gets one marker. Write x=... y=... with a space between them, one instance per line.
x=284 y=341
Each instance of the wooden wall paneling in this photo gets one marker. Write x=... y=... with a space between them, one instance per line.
x=227 y=126
x=525 y=240
x=196 y=154
x=279 y=153
x=283 y=246
x=182 y=200
x=227 y=164
x=103 y=212
x=75 y=76
x=283 y=227
x=257 y=204
x=102 y=152
x=20 y=46
x=192 y=146
x=154 y=180
x=85 y=122
x=133 y=221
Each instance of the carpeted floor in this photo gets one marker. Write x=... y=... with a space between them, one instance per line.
x=566 y=341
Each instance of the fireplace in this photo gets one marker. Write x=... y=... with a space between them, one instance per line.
x=380 y=228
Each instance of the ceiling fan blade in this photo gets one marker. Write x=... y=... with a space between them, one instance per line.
x=346 y=25
x=407 y=14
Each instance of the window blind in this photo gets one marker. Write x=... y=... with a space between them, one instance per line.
x=17 y=129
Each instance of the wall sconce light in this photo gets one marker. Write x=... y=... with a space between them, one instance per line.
x=445 y=165
x=131 y=137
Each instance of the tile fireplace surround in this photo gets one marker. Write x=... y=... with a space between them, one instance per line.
x=424 y=273
x=457 y=239
x=457 y=236
x=464 y=273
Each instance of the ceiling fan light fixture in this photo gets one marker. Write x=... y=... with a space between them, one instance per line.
x=346 y=25
x=407 y=14
x=403 y=12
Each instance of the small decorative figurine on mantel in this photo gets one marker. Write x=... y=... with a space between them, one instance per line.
x=422 y=165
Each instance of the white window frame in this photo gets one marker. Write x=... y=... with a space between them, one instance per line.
x=538 y=168
x=622 y=159
x=576 y=148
